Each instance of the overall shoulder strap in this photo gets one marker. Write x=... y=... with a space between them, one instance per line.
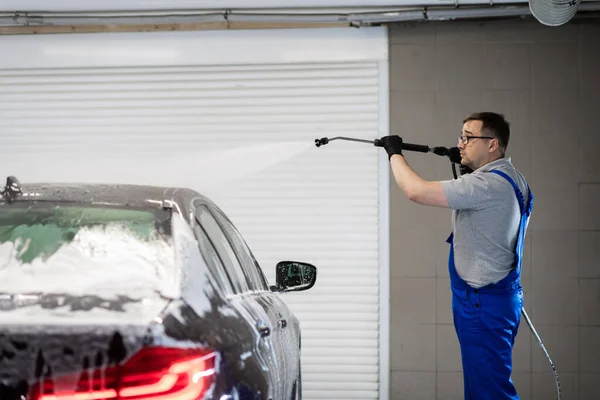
x=520 y=197
x=525 y=214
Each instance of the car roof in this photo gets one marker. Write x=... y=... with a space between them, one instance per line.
x=120 y=195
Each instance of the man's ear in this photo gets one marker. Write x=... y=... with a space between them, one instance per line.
x=494 y=145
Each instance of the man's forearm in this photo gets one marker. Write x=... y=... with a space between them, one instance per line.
x=407 y=179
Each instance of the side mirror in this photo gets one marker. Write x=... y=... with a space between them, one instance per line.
x=294 y=276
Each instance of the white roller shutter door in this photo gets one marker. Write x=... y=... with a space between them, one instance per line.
x=152 y=107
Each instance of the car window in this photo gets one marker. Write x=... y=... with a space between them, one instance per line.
x=246 y=257
x=213 y=260
x=224 y=249
x=60 y=247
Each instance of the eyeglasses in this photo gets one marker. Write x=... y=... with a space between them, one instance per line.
x=465 y=139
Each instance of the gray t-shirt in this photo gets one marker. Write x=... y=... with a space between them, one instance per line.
x=486 y=220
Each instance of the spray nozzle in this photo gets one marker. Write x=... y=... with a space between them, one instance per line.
x=321 y=142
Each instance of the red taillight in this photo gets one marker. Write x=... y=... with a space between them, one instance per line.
x=155 y=373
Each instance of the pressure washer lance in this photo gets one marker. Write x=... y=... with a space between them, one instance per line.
x=454 y=155
x=377 y=142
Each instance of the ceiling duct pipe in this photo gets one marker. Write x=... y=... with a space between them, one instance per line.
x=554 y=12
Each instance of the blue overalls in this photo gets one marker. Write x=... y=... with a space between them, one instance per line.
x=487 y=320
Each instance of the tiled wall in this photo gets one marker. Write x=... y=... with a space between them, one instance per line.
x=547 y=82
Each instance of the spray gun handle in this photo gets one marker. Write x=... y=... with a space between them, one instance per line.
x=421 y=148
x=406 y=146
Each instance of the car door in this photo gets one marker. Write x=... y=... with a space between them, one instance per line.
x=271 y=302
x=244 y=297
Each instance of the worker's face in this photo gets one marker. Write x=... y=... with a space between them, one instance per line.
x=475 y=152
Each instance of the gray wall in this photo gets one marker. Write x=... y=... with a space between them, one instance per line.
x=547 y=82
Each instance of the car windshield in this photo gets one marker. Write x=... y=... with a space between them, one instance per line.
x=59 y=247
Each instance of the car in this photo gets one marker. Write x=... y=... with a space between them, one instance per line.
x=127 y=292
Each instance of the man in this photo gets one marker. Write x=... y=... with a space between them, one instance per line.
x=491 y=208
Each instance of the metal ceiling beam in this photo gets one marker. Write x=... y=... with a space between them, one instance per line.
x=227 y=16
x=239 y=5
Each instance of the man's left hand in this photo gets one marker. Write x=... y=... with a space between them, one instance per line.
x=392 y=144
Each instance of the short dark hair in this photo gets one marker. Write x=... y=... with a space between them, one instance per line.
x=495 y=125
